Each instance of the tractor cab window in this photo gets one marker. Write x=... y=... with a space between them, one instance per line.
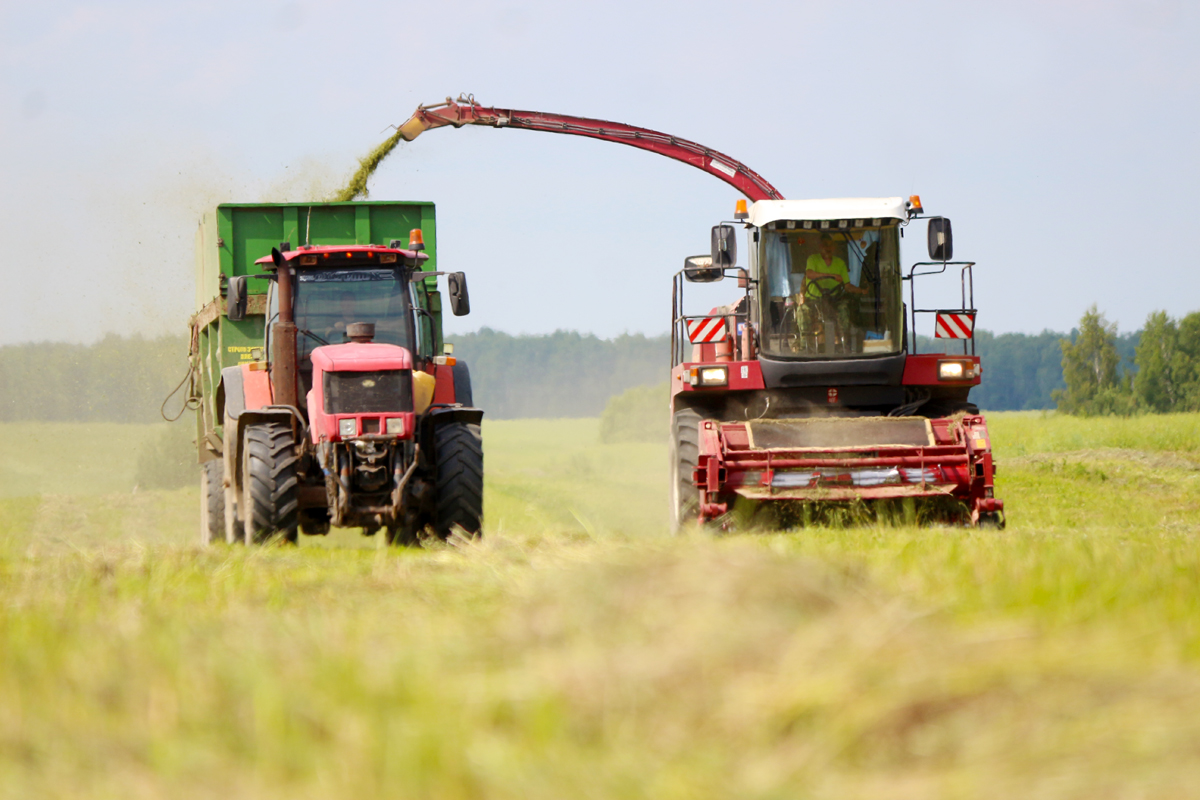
x=831 y=293
x=327 y=300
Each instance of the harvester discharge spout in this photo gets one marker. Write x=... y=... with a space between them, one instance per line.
x=465 y=111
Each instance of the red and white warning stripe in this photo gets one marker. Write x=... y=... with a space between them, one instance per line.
x=954 y=326
x=702 y=330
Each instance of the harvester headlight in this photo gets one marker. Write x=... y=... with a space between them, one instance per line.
x=714 y=376
x=395 y=425
x=958 y=370
x=347 y=427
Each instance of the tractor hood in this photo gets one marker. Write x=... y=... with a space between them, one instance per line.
x=361 y=389
x=356 y=357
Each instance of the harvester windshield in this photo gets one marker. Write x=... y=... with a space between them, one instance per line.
x=826 y=293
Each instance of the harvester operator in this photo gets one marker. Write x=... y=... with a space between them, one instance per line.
x=824 y=274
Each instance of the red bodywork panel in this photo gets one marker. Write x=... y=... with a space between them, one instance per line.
x=922 y=370
x=327 y=254
x=256 y=386
x=467 y=112
x=743 y=375
x=443 y=390
x=353 y=357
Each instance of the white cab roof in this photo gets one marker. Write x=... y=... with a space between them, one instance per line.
x=766 y=211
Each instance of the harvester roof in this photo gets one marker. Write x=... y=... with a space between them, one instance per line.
x=766 y=211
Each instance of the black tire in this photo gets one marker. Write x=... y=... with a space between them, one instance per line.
x=458 y=452
x=270 y=486
x=685 y=455
x=462 y=385
x=212 y=502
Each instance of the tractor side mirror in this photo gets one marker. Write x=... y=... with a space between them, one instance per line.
x=941 y=239
x=724 y=246
x=460 y=301
x=699 y=269
x=236 y=298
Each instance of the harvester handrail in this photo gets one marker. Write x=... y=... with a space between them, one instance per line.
x=966 y=278
x=678 y=335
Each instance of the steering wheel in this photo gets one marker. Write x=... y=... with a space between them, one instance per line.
x=831 y=293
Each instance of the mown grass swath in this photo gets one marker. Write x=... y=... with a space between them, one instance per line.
x=579 y=651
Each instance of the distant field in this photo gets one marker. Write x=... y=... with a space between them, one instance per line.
x=580 y=651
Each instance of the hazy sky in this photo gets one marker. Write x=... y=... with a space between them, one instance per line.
x=1060 y=137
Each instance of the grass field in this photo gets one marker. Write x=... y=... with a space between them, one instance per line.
x=580 y=651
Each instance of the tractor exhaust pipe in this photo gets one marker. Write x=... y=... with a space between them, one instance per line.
x=283 y=332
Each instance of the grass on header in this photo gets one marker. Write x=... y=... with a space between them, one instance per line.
x=579 y=651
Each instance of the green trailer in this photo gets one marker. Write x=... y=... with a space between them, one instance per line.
x=267 y=275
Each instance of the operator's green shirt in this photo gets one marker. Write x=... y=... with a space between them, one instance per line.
x=817 y=264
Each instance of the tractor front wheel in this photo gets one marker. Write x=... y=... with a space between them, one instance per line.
x=458 y=452
x=270 y=494
x=212 y=502
x=685 y=456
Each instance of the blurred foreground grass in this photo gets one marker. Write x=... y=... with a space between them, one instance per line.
x=579 y=651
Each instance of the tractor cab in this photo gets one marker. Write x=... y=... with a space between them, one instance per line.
x=335 y=288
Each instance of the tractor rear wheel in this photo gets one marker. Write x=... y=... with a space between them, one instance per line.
x=270 y=494
x=685 y=456
x=212 y=502
x=458 y=453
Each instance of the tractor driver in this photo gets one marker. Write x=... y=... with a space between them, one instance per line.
x=825 y=274
x=347 y=311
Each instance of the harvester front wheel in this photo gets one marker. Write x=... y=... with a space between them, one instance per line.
x=458 y=451
x=685 y=455
x=212 y=502
x=270 y=500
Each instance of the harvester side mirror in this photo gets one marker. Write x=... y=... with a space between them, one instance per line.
x=236 y=298
x=941 y=240
x=460 y=301
x=699 y=269
x=724 y=247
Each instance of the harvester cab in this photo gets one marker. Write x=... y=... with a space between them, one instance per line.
x=810 y=388
x=347 y=416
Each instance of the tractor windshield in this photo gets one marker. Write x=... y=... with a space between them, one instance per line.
x=831 y=293
x=327 y=300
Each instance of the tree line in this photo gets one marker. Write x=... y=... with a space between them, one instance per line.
x=1164 y=375
x=569 y=374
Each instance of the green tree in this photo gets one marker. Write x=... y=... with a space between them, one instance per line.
x=1089 y=365
x=1156 y=386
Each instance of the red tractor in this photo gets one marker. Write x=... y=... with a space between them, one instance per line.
x=345 y=418
x=809 y=389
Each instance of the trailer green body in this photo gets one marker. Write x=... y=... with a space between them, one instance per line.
x=233 y=236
